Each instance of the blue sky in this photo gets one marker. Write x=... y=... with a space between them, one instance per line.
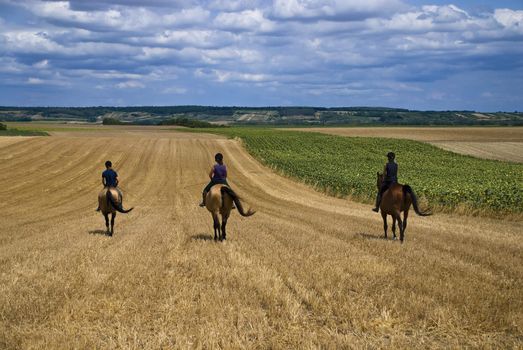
x=429 y=55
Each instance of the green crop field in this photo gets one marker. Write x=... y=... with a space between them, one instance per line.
x=347 y=166
x=22 y=132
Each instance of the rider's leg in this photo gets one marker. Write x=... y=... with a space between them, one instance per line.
x=204 y=193
x=377 y=205
x=382 y=190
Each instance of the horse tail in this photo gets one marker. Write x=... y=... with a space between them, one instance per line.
x=236 y=201
x=408 y=190
x=118 y=207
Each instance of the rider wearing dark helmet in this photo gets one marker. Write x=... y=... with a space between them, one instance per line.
x=218 y=175
x=390 y=176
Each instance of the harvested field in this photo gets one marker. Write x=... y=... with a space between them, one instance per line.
x=9 y=140
x=511 y=151
x=500 y=143
x=307 y=270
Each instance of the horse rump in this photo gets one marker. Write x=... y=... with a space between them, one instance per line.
x=236 y=200
x=118 y=207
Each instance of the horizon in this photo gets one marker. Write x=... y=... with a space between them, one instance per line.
x=269 y=107
x=420 y=55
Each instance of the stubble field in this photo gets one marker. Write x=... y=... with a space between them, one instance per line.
x=306 y=271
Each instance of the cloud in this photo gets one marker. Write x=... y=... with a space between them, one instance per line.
x=509 y=19
x=131 y=84
x=248 y=20
x=282 y=50
x=35 y=81
x=129 y=19
x=174 y=90
x=91 y=5
x=340 y=10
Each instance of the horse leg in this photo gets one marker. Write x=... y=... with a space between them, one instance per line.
x=216 y=222
x=106 y=216
x=393 y=227
x=400 y=225
x=224 y=223
x=112 y=223
x=405 y=216
x=384 y=216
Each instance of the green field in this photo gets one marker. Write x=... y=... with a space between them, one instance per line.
x=22 y=132
x=347 y=166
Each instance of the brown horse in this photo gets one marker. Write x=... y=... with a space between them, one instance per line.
x=396 y=199
x=110 y=201
x=219 y=201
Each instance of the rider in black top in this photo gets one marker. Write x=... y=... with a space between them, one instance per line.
x=110 y=179
x=390 y=173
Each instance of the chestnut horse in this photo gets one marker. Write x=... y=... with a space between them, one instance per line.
x=219 y=202
x=396 y=199
x=110 y=201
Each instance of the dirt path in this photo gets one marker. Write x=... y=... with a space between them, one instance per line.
x=306 y=270
x=500 y=143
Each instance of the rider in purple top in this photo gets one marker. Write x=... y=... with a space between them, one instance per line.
x=218 y=175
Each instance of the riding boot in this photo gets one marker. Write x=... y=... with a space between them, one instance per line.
x=378 y=201
x=204 y=194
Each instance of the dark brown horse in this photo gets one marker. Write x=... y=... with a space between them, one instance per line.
x=109 y=202
x=398 y=198
x=219 y=202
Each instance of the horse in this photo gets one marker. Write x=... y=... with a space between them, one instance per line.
x=110 y=201
x=218 y=201
x=396 y=199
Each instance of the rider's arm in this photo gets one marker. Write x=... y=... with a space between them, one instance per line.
x=385 y=171
x=103 y=181
x=117 y=181
x=211 y=173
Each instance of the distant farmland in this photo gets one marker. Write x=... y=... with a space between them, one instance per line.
x=312 y=116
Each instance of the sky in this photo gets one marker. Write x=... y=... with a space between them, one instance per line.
x=415 y=54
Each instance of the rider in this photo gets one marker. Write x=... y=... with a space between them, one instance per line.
x=110 y=179
x=390 y=177
x=218 y=175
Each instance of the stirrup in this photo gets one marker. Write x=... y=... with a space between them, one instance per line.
x=202 y=204
x=376 y=209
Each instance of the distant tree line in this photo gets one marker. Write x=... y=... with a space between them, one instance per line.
x=186 y=122
x=190 y=123
x=271 y=115
x=113 y=121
